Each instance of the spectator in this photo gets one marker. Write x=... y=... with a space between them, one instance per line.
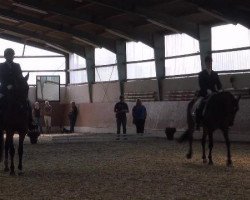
x=121 y=108
x=72 y=116
x=37 y=116
x=47 y=116
x=139 y=113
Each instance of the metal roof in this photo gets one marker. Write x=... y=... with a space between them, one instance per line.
x=75 y=24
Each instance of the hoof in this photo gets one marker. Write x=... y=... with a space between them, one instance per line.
x=210 y=162
x=189 y=156
x=20 y=173
x=204 y=161
x=229 y=163
x=12 y=173
x=6 y=169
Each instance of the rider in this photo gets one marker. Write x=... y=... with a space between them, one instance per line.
x=209 y=83
x=9 y=72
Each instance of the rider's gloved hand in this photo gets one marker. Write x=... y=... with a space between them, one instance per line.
x=9 y=87
x=209 y=91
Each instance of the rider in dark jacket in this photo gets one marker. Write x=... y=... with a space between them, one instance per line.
x=9 y=73
x=208 y=79
x=209 y=83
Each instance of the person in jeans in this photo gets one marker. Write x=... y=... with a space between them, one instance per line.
x=121 y=108
x=139 y=113
x=47 y=116
x=37 y=116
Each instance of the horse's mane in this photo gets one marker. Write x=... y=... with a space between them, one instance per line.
x=16 y=111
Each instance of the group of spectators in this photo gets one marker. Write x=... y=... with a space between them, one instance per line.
x=139 y=114
x=37 y=116
x=47 y=113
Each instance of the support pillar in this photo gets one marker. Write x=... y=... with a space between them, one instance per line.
x=121 y=64
x=90 y=66
x=205 y=43
x=159 y=53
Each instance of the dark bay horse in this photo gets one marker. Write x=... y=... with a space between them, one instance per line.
x=219 y=113
x=15 y=120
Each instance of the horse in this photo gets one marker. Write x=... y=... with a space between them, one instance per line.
x=219 y=113
x=16 y=119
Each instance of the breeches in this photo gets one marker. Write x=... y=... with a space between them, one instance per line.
x=47 y=120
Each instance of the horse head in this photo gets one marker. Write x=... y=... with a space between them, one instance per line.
x=233 y=109
x=21 y=88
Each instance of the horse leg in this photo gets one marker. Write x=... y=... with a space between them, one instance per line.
x=203 y=144
x=190 y=140
x=229 y=161
x=20 y=153
x=211 y=144
x=12 y=153
x=6 y=154
x=1 y=145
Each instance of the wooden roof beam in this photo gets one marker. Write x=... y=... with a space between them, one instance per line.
x=160 y=19
x=89 y=38
x=40 y=37
x=7 y=36
x=144 y=37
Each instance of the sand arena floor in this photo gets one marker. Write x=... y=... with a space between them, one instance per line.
x=143 y=168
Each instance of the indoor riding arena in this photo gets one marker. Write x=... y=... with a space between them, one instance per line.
x=96 y=65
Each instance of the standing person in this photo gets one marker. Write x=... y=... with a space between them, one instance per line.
x=47 y=116
x=72 y=116
x=209 y=82
x=139 y=113
x=37 y=116
x=121 y=108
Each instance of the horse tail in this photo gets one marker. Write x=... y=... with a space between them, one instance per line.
x=1 y=145
x=190 y=121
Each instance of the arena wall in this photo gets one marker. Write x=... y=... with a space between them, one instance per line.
x=99 y=115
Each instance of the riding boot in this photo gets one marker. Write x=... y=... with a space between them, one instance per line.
x=198 y=118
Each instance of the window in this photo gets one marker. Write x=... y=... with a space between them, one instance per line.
x=106 y=74
x=78 y=72
x=183 y=65
x=36 y=61
x=230 y=37
x=182 y=54
x=231 y=47
x=105 y=65
x=140 y=61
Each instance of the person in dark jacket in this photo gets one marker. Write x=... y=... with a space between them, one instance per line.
x=9 y=73
x=72 y=116
x=37 y=116
x=209 y=83
x=139 y=113
x=121 y=108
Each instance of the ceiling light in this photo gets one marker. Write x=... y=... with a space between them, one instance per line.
x=30 y=8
